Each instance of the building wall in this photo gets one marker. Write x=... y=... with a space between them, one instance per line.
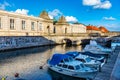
x=17 y=31
x=93 y=31
x=70 y=29
x=61 y=29
x=78 y=28
x=41 y=26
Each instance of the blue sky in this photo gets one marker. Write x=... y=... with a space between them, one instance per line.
x=95 y=12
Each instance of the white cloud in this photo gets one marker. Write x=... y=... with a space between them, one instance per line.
x=51 y=17
x=91 y=2
x=109 y=18
x=98 y=4
x=54 y=13
x=22 y=11
x=4 y=5
x=57 y=13
x=103 y=5
x=71 y=19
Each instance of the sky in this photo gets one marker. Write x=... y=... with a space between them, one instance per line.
x=94 y=12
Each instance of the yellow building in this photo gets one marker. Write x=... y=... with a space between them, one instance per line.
x=63 y=27
x=78 y=28
x=14 y=24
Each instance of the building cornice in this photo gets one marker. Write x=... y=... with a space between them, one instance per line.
x=17 y=15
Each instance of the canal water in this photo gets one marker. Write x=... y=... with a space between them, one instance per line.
x=27 y=63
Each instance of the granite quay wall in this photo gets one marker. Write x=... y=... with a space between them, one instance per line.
x=15 y=42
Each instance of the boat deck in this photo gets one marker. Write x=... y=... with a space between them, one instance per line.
x=107 y=69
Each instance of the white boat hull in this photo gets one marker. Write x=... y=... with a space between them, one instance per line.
x=87 y=75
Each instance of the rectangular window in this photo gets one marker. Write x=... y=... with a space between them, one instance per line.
x=40 y=26
x=11 y=23
x=23 y=25
x=32 y=25
x=0 y=23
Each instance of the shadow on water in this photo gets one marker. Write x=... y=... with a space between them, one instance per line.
x=58 y=76
x=24 y=52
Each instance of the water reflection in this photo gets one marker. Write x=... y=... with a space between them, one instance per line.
x=26 y=62
x=57 y=76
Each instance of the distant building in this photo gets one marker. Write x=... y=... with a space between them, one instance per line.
x=78 y=28
x=63 y=27
x=96 y=31
x=92 y=29
x=103 y=29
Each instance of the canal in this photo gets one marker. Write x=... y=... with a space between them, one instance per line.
x=27 y=63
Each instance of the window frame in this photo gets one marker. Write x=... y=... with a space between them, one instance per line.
x=23 y=24
x=12 y=24
x=32 y=26
x=40 y=26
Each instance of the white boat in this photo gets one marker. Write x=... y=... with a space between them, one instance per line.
x=70 y=67
x=115 y=43
x=93 y=46
x=92 y=56
x=88 y=61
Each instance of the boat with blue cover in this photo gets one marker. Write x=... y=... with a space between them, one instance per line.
x=88 y=54
x=85 y=59
x=66 y=65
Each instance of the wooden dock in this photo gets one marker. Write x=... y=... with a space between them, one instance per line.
x=106 y=71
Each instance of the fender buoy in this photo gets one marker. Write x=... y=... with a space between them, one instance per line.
x=16 y=75
x=41 y=67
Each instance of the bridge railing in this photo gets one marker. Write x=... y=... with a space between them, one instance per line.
x=73 y=35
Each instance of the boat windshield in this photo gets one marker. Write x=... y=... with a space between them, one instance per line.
x=59 y=65
x=71 y=67
x=64 y=66
x=82 y=66
x=66 y=60
x=71 y=59
x=88 y=59
x=77 y=67
x=82 y=60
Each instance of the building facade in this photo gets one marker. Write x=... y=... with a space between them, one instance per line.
x=14 y=24
x=63 y=27
x=78 y=28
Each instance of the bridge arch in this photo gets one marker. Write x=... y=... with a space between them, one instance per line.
x=67 y=41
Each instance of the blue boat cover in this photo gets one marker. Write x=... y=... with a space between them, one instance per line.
x=72 y=53
x=56 y=58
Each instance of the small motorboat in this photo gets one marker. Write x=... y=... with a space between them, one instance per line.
x=93 y=46
x=64 y=64
x=93 y=56
x=85 y=59
x=88 y=61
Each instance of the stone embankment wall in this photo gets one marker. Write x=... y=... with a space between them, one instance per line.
x=8 y=43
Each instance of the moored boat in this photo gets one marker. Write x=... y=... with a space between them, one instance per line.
x=88 y=61
x=64 y=64
x=94 y=46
